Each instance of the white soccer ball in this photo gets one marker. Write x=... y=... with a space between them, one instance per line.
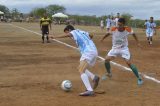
x=66 y=85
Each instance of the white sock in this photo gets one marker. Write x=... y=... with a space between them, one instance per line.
x=86 y=82
x=91 y=75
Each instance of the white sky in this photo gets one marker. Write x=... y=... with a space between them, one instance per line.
x=141 y=9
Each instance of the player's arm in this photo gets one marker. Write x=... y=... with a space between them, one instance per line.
x=61 y=36
x=50 y=24
x=136 y=38
x=106 y=35
x=41 y=24
x=155 y=29
x=91 y=36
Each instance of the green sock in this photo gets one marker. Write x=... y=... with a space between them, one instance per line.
x=108 y=67
x=135 y=70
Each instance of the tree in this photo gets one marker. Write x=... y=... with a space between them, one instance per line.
x=38 y=12
x=127 y=17
x=15 y=13
x=52 y=9
x=4 y=9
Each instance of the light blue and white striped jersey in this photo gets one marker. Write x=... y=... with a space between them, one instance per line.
x=150 y=27
x=83 y=41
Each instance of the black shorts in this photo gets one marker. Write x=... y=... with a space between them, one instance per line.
x=45 y=30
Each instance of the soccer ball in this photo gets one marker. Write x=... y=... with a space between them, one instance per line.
x=66 y=85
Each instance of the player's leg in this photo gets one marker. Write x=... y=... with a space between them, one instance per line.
x=126 y=56
x=82 y=67
x=107 y=64
x=148 y=38
x=43 y=35
x=151 y=34
x=46 y=32
x=87 y=60
x=108 y=67
x=110 y=56
x=135 y=71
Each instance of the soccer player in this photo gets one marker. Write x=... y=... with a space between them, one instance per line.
x=117 y=18
x=89 y=54
x=102 y=24
x=45 y=22
x=150 y=29
x=120 y=48
x=108 y=23
x=113 y=22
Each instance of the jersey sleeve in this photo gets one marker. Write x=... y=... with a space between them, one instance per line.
x=50 y=21
x=73 y=33
x=154 y=24
x=40 y=21
x=129 y=30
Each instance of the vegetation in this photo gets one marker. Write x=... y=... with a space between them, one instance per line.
x=78 y=19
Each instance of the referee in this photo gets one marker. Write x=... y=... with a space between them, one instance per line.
x=45 y=22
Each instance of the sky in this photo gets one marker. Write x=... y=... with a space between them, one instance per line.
x=140 y=9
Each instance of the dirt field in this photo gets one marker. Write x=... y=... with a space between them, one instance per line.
x=31 y=72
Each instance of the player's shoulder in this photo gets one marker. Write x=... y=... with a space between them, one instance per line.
x=128 y=29
x=114 y=28
x=41 y=19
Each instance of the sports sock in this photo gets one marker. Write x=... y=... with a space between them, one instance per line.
x=150 y=38
x=89 y=74
x=135 y=70
x=108 y=66
x=47 y=38
x=86 y=82
x=43 y=37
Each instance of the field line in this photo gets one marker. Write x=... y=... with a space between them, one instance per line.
x=113 y=63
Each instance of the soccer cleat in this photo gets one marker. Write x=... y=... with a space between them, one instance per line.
x=109 y=75
x=87 y=93
x=104 y=77
x=140 y=81
x=48 y=41
x=95 y=82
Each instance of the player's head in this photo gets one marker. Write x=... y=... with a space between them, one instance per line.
x=121 y=24
x=121 y=21
x=45 y=15
x=151 y=19
x=118 y=15
x=68 y=28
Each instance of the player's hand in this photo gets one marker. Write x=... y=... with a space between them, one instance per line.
x=143 y=30
x=52 y=37
x=101 y=40
x=139 y=45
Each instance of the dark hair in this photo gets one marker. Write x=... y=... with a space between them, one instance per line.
x=69 y=28
x=151 y=17
x=122 y=20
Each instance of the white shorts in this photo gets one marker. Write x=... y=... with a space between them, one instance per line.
x=149 y=34
x=123 y=52
x=90 y=57
x=108 y=26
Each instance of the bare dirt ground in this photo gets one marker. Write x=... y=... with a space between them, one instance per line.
x=31 y=72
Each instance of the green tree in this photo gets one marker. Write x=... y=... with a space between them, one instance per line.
x=38 y=12
x=4 y=9
x=127 y=17
x=52 y=9
x=15 y=13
